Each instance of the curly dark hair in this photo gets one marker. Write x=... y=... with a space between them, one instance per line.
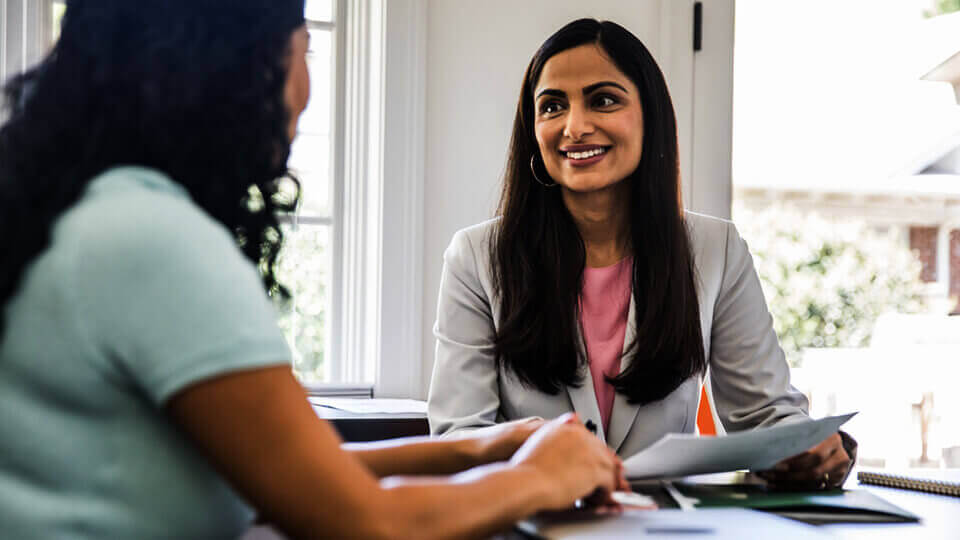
x=538 y=255
x=192 y=88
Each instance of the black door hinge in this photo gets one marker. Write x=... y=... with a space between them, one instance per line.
x=697 y=26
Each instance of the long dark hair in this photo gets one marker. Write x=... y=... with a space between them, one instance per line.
x=538 y=255
x=192 y=88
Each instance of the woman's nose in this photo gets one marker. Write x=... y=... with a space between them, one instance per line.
x=579 y=123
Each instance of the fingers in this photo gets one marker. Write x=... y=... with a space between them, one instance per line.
x=834 y=470
x=824 y=465
x=620 y=478
x=622 y=484
x=813 y=457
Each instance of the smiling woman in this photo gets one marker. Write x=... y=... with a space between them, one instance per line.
x=589 y=121
x=594 y=290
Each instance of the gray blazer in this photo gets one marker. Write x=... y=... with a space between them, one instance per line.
x=749 y=376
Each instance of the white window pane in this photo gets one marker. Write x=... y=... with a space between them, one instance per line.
x=319 y=10
x=310 y=161
x=304 y=267
x=57 y=14
x=316 y=118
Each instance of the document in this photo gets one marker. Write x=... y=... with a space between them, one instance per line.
x=679 y=454
x=372 y=406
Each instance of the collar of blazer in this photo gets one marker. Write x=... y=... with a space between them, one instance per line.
x=584 y=399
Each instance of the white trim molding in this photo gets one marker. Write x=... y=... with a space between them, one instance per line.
x=25 y=34
x=378 y=242
x=354 y=347
x=399 y=364
x=701 y=86
x=711 y=190
x=676 y=62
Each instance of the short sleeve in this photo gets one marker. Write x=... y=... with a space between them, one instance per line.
x=165 y=296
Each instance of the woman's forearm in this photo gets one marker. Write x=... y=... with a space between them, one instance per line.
x=416 y=456
x=473 y=504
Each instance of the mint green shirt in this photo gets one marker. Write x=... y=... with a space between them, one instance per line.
x=139 y=295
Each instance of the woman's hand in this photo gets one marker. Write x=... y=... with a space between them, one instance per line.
x=499 y=443
x=573 y=463
x=824 y=466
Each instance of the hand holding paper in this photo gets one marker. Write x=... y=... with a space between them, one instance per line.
x=682 y=454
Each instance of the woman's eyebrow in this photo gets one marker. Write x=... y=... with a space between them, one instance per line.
x=551 y=92
x=591 y=88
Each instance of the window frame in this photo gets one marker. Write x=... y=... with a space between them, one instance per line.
x=379 y=138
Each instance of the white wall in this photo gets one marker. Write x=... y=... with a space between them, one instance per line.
x=476 y=56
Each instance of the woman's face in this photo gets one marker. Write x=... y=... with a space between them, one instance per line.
x=589 y=122
x=296 y=92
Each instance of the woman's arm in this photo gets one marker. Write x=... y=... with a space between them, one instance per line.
x=750 y=377
x=423 y=455
x=258 y=429
x=465 y=386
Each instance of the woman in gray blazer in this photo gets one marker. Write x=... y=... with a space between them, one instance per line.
x=592 y=187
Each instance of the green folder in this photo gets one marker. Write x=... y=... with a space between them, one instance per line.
x=816 y=507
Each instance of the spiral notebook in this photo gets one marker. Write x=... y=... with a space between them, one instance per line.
x=940 y=481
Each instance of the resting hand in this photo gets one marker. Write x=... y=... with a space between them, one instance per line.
x=500 y=442
x=572 y=462
x=824 y=466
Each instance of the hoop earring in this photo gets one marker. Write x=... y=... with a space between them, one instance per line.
x=535 y=177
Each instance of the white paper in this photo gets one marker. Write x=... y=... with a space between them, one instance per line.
x=683 y=454
x=713 y=523
x=372 y=406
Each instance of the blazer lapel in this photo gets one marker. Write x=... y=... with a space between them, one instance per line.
x=624 y=414
x=584 y=399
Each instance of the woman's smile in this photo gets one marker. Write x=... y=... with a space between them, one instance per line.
x=583 y=155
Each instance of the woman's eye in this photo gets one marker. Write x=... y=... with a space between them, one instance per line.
x=604 y=101
x=550 y=107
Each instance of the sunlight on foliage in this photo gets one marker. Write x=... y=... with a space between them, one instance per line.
x=304 y=268
x=827 y=282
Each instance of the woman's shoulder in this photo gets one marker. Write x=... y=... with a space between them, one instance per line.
x=139 y=218
x=713 y=241
x=708 y=232
x=717 y=247
x=475 y=238
x=705 y=223
x=134 y=206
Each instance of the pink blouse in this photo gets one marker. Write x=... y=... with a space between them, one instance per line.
x=604 y=308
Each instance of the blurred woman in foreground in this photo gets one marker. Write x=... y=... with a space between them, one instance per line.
x=147 y=389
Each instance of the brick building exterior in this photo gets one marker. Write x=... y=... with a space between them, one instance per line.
x=923 y=242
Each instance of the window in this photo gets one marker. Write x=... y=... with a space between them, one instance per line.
x=846 y=181
x=305 y=261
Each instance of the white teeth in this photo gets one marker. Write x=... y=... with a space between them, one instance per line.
x=587 y=154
